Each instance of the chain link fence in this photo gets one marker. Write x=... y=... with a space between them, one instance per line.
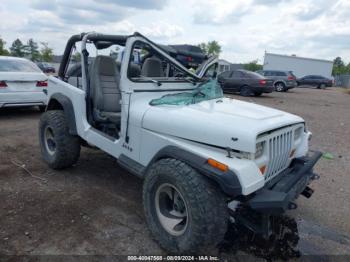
x=342 y=81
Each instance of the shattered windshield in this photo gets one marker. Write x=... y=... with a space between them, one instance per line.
x=204 y=91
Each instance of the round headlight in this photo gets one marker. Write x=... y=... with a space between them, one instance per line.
x=297 y=133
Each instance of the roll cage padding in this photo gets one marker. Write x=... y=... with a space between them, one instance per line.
x=59 y=101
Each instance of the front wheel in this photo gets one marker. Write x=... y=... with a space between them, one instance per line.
x=59 y=148
x=185 y=212
x=280 y=87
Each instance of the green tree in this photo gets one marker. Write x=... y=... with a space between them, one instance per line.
x=76 y=57
x=32 y=50
x=210 y=48
x=17 y=48
x=253 y=66
x=3 y=51
x=339 y=67
x=46 y=52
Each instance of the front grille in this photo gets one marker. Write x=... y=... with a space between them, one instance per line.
x=279 y=146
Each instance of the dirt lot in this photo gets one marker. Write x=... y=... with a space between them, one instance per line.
x=95 y=207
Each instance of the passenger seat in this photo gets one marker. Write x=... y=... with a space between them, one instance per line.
x=152 y=67
x=105 y=92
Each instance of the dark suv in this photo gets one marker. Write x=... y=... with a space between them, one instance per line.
x=283 y=80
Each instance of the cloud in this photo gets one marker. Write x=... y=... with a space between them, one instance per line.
x=220 y=12
x=88 y=12
x=269 y=2
x=139 y=4
x=316 y=28
x=161 y=30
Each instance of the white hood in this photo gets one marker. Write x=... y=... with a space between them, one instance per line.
x=218 y=122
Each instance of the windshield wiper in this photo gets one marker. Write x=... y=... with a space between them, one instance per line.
x=151 y=79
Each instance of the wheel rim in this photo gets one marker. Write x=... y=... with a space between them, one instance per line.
x=49 y=139
x=171 y=209
x=279 y=87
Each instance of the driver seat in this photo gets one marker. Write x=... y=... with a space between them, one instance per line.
x=105 y=92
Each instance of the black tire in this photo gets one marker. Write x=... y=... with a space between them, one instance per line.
x=280 y=87
x=245 y=91
x=207 y=219
x=58 y=148
x=322 y=86
x=42 y=108
x=257 y=93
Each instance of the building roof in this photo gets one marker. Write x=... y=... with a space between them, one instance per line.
x=299 y=57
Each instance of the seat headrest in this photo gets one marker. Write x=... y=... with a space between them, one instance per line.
x=106 y=65
x=134 y=70
x=152 y=67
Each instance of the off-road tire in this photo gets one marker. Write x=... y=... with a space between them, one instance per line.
x=245 y=91
x=280 y=87
x=207 y=208
x=67 y=146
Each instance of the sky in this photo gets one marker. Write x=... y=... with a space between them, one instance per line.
x=245 y=29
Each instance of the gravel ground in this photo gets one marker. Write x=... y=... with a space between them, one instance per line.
x=95 y=207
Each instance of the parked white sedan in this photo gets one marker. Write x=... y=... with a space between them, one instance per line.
x=22 y=83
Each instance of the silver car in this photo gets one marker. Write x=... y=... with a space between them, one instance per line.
x=22 y=83
x=283 y=80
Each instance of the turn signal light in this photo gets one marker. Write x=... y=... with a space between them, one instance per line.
x=3 y=84
x=41 y=83
x=222 y=167
x=262 y=169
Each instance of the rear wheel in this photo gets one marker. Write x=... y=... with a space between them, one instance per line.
x=58 y=148
x=280 y=87
x=185 y=212
x=322 y=86
x=245 y=91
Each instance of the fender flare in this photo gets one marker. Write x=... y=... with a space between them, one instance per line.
x=59 y=101
x=228 y=181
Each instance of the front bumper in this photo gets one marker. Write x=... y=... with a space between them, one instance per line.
x=278 y=195
x=14 y=99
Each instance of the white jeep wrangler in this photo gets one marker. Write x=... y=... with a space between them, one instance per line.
x=204 y=158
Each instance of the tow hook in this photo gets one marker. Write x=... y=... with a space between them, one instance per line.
x=292 y=205
x=307 y=192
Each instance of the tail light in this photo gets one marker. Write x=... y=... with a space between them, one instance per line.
x=189 y=59
x=291 y=78
x=41 y=83
x=262 y=82
x=3 y=84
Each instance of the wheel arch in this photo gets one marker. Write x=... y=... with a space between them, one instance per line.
x=227 y=181
x=279 y=81
x=62 y=102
